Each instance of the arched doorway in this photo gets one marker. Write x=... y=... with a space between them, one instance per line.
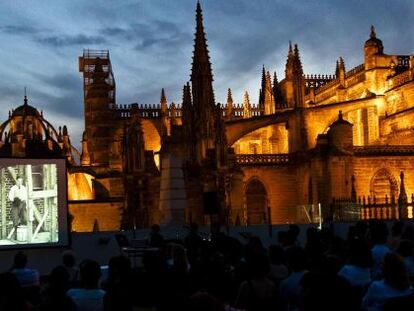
x=256 y=202
x=383 y=184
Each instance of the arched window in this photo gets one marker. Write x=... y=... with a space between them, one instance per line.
x=383 y=184
x=256 y=202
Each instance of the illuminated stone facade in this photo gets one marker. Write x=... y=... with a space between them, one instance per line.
x=309 y=139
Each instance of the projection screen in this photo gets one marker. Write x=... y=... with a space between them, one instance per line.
x=33 y=203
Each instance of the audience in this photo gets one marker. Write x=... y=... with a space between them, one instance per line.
x=366 y=271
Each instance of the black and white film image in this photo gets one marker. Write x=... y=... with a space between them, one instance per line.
x=29 y=211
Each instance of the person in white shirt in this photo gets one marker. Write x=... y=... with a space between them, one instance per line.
x=18 y=198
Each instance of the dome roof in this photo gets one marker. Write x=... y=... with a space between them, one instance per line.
x=373 y=40
x=25 y=110
x=340 y=120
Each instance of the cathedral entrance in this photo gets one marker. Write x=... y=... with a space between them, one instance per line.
x=384 y=184
x=256 y=202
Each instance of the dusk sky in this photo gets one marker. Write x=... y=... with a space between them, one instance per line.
x=151 y=42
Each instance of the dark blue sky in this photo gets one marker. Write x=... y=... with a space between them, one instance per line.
x=150 y=43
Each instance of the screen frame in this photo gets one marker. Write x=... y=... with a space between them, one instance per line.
x=64 y=238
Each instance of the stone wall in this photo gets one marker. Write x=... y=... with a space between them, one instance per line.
x=365 y=169
x=282 y=184
x=105 y=216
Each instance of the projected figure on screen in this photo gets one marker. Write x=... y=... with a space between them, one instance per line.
x=18 y=199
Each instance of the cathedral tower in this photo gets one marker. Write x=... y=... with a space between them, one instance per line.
x=99 y=100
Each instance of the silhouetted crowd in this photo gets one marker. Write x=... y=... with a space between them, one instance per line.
x=372 y=269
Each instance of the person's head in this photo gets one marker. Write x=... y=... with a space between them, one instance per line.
x=258 y=264
x=378 y=232
x=179 y=254
x=59 y=280
x=68 y=259
x=90 y=272
x=155 y=228
x=406 y=248
x=312 y=235
x=154 y=261
x=294 y=230
x=119 y=268
x=397 y=228
x=19 y=180
x=215 y=228
x=395 y=272
x=360 y=254
x=20 y=260
x=296 y=258
x=408 y=233
x=194 y=228
x=276 y=255
x=203 y=301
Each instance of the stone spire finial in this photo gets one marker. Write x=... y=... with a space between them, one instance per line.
x=337 y=69
x=296 y=50
x=246 y=105
x=229 y=113
x=290 y=48
x=340 y=116
x=163 y=98
x=353 y=191
x=163 y=102
x=25 y=97
x=229 y=96
x=402 y=197
x=373 y=33
x=275 y=82
x=341 y=63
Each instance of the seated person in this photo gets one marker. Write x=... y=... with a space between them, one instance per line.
x=26 y=277
x=90 y=296
x=395 y=284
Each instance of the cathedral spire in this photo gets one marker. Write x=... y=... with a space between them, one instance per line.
x=229 y=113
x=373 y=34
x=164 y=112
x=246 y=106
x=202 y=91
x=163 y=102
x=163 y=98
x=298 y=63
x=337 y=69
x=201 y=60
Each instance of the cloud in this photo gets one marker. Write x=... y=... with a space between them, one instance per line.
x=19 y=30
x=68 y=40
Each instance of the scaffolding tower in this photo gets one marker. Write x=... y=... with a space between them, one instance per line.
x=87 y=64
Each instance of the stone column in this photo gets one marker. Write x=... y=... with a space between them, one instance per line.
x=172 y=202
